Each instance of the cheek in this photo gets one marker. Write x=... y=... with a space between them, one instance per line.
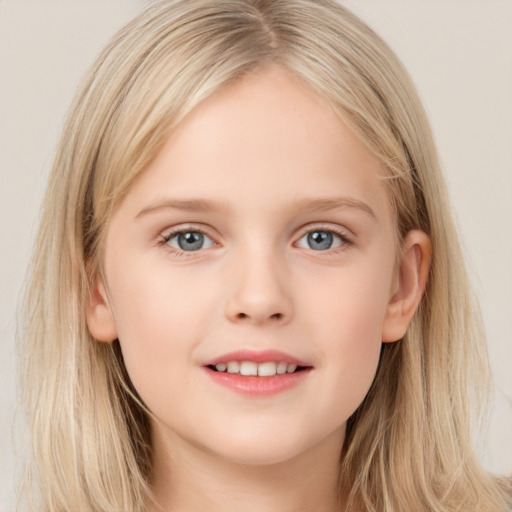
x=349 y=306
x=156 y=317
x=347 y=316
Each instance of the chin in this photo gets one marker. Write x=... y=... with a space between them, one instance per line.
x=263 y=447
x=257 y=455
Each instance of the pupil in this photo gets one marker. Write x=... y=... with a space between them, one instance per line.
x=190 y=241
x=320 y=240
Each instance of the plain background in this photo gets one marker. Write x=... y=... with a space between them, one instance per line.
x=459 y=54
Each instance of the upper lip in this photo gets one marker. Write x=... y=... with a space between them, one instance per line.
x=256 y=356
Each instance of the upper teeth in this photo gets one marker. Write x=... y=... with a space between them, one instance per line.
x=251 y=368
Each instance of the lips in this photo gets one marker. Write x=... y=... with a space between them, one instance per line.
x=257 y=373
x=261 y=356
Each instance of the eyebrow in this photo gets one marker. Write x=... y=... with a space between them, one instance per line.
x=186 y=205
x=335 y=203
x=306 y=205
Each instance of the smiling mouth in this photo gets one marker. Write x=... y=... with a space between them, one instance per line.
x=253 y=369
x=258 y=373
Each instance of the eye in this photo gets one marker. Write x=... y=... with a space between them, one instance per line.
x=322 y=240
x=189 y=240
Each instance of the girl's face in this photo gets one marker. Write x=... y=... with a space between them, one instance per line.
x=261 y=233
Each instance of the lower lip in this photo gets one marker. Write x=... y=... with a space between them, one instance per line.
x=258 y=386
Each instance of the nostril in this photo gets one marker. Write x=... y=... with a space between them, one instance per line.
x=260 y=318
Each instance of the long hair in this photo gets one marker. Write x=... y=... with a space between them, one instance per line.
x=408 y=446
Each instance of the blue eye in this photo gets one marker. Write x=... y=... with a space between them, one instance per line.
x=321 y=240
x=189 y=241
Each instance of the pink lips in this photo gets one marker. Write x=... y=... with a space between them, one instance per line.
x=254 y=385
x=261 y=356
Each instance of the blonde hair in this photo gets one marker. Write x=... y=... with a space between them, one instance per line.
x=408 y=446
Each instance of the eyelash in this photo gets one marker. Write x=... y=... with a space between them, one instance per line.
x=345 y=240
x=164 y=241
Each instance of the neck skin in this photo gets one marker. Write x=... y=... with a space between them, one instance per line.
x=188 y=479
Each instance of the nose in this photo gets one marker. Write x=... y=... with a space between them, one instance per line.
x=259 y=291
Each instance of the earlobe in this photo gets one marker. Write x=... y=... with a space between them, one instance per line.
x=412 y=274
x=100 y=319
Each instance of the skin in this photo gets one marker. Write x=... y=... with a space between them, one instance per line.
x=262 y=150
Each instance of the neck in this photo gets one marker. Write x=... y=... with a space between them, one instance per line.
x=188 y=479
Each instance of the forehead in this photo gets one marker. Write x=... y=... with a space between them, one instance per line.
x=266 y=138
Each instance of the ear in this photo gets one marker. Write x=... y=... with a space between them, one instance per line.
x=409 y=285
x=100 y=319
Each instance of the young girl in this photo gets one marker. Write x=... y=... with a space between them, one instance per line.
x=246 y=290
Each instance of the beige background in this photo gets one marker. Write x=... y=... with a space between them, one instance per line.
x=460 y=56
